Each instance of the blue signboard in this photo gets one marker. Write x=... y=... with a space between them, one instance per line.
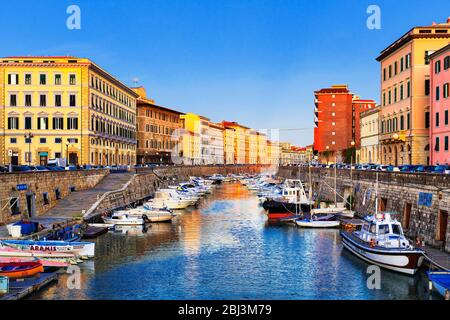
x=425 y=199
x=21 y=187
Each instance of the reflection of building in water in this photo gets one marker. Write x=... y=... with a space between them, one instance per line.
x=120 y=246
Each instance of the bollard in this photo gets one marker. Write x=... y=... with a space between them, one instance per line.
x=447 y=295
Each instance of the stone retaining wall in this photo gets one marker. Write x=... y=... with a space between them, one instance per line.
x=31 y=186
x=398 y=192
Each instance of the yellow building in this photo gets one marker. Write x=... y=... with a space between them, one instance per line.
x=405 y=90
x=240 y=144
x=190 y=152
x=273 y=152
x=262 y=148
x=229 y=139
x=65 y=107
x=252 y=146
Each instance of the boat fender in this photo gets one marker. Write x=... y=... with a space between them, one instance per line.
x=372 y=243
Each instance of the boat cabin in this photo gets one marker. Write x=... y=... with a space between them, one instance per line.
x=383 y=230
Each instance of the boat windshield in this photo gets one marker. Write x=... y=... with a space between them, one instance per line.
x=396 y=229
x=383 y=229
x=373 y=228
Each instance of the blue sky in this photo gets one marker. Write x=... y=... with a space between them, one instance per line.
x=252 y=61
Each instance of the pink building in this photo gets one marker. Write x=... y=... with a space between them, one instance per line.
x=440 y=105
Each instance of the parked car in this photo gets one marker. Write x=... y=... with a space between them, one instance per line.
x=382 y=167
x=21 y=168
x=4 y=169
x=38 y=168
x=55 y=168
x=442 y=169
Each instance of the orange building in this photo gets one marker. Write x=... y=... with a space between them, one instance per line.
x=155 y=126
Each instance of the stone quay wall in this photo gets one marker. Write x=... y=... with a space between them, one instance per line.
x=34 y=193
x=146 y=181
x=403 y=193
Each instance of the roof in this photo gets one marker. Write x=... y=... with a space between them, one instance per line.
x=439 y=52
x=81 y=61
x=410 y=35
x=144 y=101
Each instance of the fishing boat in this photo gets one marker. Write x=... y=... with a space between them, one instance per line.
x=42 y=255
x=20 y=269
x=82 y=249
x=441 y=282
x=293 y=199
x=328 y=221
x=122 y=218
x=381 y=241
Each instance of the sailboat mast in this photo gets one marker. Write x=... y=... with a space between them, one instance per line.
x=376 y=196
x=335 y=180
x=351 y=182
x=310 y=185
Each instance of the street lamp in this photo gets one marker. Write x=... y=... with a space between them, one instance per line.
x=328 y=148
x=351 y=156
x=28 y=136
x=67 y=153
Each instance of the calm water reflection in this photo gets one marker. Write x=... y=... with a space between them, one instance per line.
x=225 y=250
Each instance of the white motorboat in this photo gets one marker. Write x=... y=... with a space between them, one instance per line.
x=122 y=218
x=170 y=199
x=150 y=214
x=329 y=221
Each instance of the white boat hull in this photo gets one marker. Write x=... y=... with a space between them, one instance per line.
x=124 y=222
x=317 y=224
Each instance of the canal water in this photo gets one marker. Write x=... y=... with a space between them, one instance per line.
x=224 y=249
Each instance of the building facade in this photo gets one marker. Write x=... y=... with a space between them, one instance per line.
x=229 y=138
x=156 y=126
x=333 y=130
x=65 y=108
x=189 y=140
x=273 y=153
x=240 y=143
x=359 y=106
x=440 y=105
x=369 y=151
x=405 y=94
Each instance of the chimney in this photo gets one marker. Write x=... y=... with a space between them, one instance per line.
x=448 y=20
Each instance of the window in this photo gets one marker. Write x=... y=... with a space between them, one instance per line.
x=13 y=100
x=57 y=100
x=437 y=119
x=436 y=146
x=396 y=229
x=13 y=123
x=384 y=74
x=390 y=71
x=437 y=66
x=446 y=143
x=446 y=62
x=72 y=79
x=13 y=140
x=57 y=79
x=427 y=119
x=446 y=90
x=58 y=123
x=401 y=92
x=401 y=64
x=28 y=78
x=395 y=94
x=383 y=229
x=28 y=100
x=402 y=122
x=43 y=100
x=45 y=198
x=13 y=79
x=28 y=123
x=73 y=100
x=42 y=79
x=58 y=140
x=446 y=117
x=42 y=140
x=72 y=123
x=438 y=93
x=408 y=89
x=384 y=98
x=408 y=121
x=389 y=97
x=427 y=87
x=408 y=61
x=42 y=123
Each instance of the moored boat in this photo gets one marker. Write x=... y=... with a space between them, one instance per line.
x=45 y=263
x=329 y=221
x=20 y=269
x=381 y=241
x=123 y=219
x=92 y=232
x=82 y=249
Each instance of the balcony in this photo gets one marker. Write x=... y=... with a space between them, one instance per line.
x=399 y=136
